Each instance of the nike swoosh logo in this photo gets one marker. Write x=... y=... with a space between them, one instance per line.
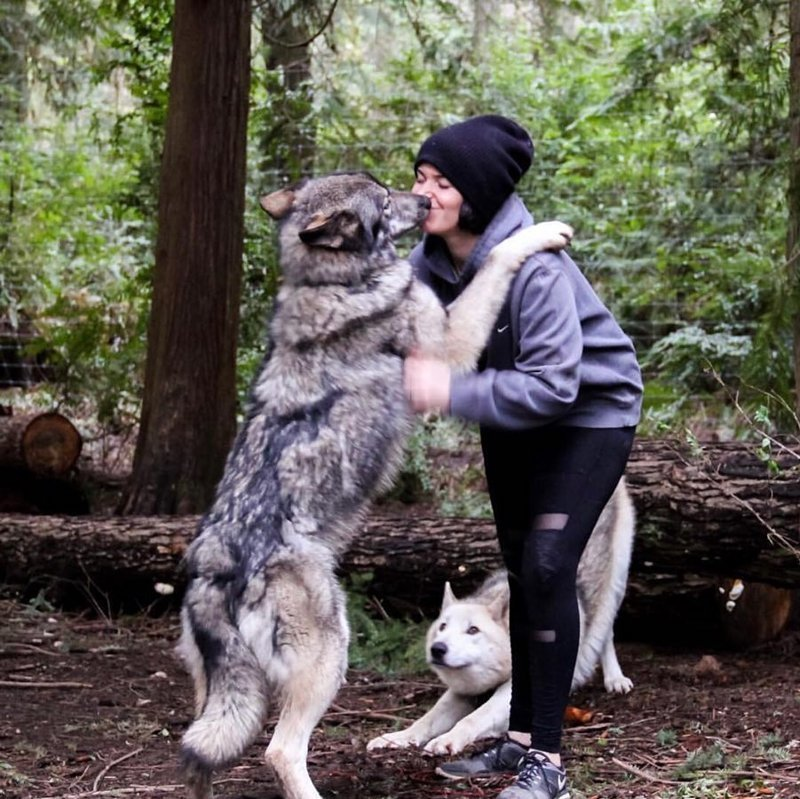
x=502 y=329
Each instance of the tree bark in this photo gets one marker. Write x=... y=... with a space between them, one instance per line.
x=188 y=413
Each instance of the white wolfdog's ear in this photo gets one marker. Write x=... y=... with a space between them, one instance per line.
x=449 y=597
x=498 y=607
x=279 y=203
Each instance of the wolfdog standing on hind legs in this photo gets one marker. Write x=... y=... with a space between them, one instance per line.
x=263 y=618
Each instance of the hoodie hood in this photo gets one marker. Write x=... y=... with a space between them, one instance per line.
x=512 y=216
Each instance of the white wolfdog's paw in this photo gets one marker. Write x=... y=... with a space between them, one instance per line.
x=447 y=744
x=618 y=684
x=390 y=740
x=552 y=235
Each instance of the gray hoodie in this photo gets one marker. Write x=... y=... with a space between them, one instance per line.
x=557 y=354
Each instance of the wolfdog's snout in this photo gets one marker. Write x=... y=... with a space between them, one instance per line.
x=438 y=651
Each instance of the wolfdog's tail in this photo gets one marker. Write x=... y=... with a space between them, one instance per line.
x=605 y=579
x=233 y=705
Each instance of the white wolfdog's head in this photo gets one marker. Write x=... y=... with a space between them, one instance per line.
x=467 y=646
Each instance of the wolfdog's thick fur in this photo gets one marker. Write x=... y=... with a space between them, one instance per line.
x=263 y=616
x=467 y=646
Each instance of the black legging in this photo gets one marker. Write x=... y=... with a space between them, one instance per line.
x=547 y=487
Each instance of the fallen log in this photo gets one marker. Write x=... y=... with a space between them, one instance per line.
x=721 y=513
x=45 y=444
x=722 y=509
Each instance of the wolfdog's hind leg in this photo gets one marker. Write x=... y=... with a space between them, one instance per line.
x=314 y=682
x=198 y=782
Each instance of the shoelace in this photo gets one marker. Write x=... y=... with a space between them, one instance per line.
x=533 y=771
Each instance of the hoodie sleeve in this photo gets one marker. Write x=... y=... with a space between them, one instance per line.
x=546 y=380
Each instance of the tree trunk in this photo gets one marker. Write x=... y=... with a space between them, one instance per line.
x=188 y=413
x=793 y=195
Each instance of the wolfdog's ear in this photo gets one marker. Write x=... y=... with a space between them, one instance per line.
x=341 y=230
x=449 y=597
x=279 y=203
x=498 y=607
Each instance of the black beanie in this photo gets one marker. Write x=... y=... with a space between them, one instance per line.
x=483 y=157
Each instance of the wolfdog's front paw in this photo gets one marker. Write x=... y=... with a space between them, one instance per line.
x=450 y=743
x=618 y=684
x=390 y=740
x=552 y=235
x=514 y=250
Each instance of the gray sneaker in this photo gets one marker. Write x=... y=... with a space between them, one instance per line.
x=538 y=778
x=502 y=757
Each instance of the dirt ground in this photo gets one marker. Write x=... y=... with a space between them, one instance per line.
x=93 y=706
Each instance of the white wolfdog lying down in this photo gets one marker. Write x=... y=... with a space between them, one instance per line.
x=468 y=648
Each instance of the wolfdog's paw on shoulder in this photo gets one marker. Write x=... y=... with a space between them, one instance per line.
x=552 y=235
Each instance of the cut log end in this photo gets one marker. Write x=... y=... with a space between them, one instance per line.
x=47 y=444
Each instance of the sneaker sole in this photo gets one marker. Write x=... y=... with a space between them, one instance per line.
x=477 y=775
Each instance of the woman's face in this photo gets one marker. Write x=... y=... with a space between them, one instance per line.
x=445 y=199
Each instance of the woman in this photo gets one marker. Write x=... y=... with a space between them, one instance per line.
x=557 y=396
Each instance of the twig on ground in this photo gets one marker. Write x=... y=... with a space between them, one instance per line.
x=98 y=779
x=133 y=790
x=383 y=714
x=645 y=775
x=10 y=650
x=26 y=684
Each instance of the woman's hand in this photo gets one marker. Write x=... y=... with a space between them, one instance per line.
x=427 y=383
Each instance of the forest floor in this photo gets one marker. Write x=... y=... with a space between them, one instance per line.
x=94 y=706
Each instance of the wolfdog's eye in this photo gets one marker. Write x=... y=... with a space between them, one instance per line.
x=442 y=626
x=387 y=205
x=473 y=630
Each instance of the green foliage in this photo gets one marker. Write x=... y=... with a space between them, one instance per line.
x=773 y=747
x=77 y=232
x=666 y=738
x=660 y=129
x=442 y=467
x=389 y=646
x=73 y=262
x=689 y=354
x=700 y=760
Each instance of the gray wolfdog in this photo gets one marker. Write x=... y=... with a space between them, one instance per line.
x=467 y=645
x=263 y=618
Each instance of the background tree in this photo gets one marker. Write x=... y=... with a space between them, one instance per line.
x=188 y=411
x=287 y=143
x=793 y=235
